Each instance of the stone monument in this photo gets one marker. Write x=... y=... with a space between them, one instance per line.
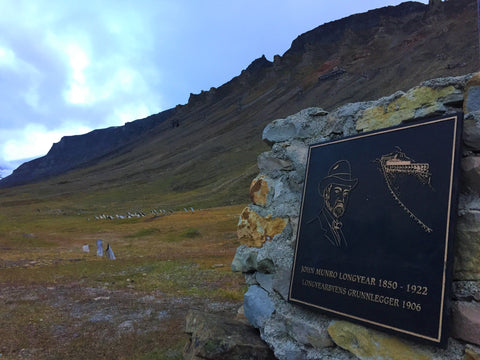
x=268 y=226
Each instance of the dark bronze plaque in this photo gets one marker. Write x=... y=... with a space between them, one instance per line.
x=376 y=228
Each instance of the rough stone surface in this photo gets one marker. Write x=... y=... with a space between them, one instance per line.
x=472 y=353
x=254 y=230
x=467 y=247
x=245 y=259
x=265 y=281
x=305 y=327
x=259 y=191
x=257 y=306
x=268 y=163
x=213 y=337
x=419 y=102
x=276 y=253
x=466 y=290
x=458 y=82
x=471 y=174
x=370 y=344
x=298 y=126
x=281 y=286
x=472 y=98
x=466 y=321
x=471 y=131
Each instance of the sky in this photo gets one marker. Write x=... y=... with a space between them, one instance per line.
x=69 y=67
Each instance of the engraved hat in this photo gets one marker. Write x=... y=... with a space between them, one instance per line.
x=339 y=173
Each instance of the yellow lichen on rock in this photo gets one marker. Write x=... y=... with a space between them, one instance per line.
x=254 y=230
x=259 y=191
x=370 y=344
x=403 y=108
x=471 y=353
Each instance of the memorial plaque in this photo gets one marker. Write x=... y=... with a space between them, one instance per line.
x=376 y=228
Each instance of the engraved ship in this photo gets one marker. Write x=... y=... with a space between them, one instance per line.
x=397 y=163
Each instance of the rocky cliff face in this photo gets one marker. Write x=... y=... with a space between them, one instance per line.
x=358 y=58
x=82 y=150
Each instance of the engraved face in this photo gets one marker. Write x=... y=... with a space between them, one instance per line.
x=336 y=197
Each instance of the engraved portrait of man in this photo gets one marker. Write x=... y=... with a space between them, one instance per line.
x=334 y=190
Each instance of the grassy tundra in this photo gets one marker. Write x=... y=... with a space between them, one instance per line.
x=58 y=302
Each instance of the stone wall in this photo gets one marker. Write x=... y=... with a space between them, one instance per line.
x=267 y=229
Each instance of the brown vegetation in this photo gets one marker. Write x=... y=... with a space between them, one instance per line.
x=58 y=302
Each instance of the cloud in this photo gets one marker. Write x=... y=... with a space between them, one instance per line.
x=63 y=56
x=34 y=140
x=68 y=68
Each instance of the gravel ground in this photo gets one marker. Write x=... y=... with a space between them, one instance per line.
x=71 y=321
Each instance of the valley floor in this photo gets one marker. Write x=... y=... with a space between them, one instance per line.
x=58 y=302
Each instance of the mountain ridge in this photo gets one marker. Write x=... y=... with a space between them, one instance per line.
x=218 y=137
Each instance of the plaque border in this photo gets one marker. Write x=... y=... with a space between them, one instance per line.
x=441 y=338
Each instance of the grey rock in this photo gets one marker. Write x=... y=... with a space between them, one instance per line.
x=470 y=166
x=251 y=279
x=278 y=333
x=269 y=164
x=245 y=259
x=258 y=306
x=281 y=283
x=298 y=126
x=466 y=321
x=384 y=101
x=278 y=131
x=266 y=265
x=284 y=347
x=296 y=180
x=468 y=203
x=279 y=253
x=265 y=281
x=330 y=354
x=285 y=202
x=454 y=99
x=458 y=82
x=467 y=247
x=297 y=152
x=212 y=337
x=436 y=109
x=280 y=190
x=471 y=131
x=472 y=99
x=466 y=290
x=306 y=327
x=342 y=121
x=454 y=350
x=288 y=350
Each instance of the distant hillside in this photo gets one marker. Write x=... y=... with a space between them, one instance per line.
x=207 y=148
x=72 y=152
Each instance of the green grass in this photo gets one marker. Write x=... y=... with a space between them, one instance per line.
x=145 y=232
x=191 y=233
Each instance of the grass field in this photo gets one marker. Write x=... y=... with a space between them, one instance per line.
x=58 y=302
